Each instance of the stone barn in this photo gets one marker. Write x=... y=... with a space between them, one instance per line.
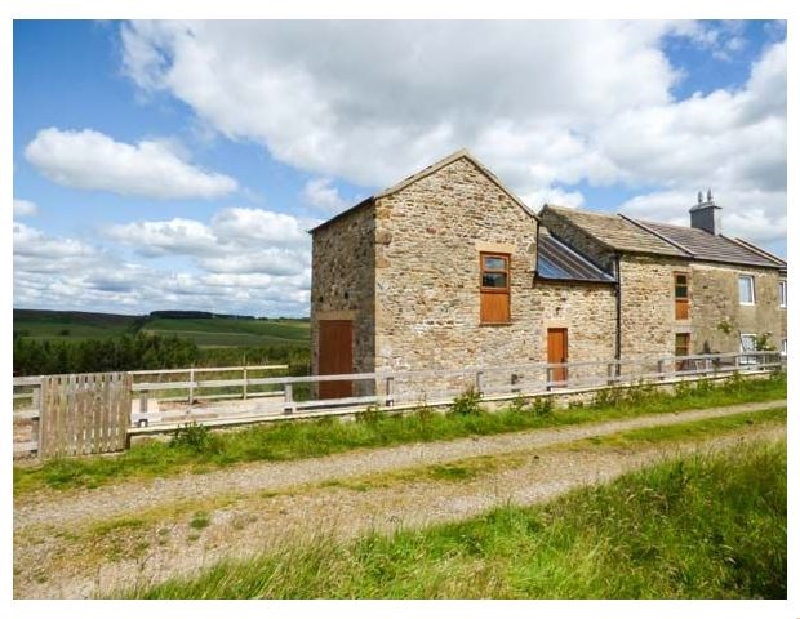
x=448 y=269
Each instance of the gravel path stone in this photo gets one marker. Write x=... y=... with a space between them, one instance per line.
x=57 y=564
x=116 y=500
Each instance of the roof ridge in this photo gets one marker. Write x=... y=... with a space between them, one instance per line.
x=438 y=165
x=655 y=233
x=755 y=249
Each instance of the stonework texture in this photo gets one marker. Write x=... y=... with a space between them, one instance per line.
x=715 y=300
x=405 y=268
x=342 y=286
x=427 y=286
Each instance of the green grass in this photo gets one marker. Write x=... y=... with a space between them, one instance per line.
x=198 y=450
x=691 y=430
x=213 y=332
x=233 y=333
x=710 y=527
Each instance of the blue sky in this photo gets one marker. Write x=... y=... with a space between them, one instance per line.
x=168 y=165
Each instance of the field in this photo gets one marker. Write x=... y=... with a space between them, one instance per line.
x=232 y=333
x=205 y=333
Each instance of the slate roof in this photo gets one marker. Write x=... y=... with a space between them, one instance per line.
x=626 y=234
x=711 y=247
x=556 y=261
x=616 y=232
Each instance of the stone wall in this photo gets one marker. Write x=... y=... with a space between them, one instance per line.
x=342 y=285
x=429 y=236
x=648 y=305
x=715 y=300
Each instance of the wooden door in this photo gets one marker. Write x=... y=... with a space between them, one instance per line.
x=557 y=352
x=335 y=357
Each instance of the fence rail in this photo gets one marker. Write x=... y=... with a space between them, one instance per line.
x=152 y=408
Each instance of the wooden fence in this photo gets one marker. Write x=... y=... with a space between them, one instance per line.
x=80 y=414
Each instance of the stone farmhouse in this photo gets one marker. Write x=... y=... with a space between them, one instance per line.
x=448 y=268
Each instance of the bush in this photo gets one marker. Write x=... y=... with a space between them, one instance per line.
x=468 y=403
x=198 y=439
x=372 y=414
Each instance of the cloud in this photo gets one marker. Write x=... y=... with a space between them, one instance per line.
x=91 y=160
x=158 y=238
x=222 y=276
x=321 y=193
x=25 y=208
x=546 y=105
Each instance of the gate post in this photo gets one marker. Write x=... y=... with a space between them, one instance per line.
x=389 y=388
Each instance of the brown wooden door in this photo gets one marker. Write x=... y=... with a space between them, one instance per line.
x=557 y=352
x=335 y=357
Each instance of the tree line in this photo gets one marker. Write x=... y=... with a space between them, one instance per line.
x=142 y=352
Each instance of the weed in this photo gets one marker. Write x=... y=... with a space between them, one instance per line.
x=196 y=438
x=468 y=403
x=200 y=520
x=372 y=414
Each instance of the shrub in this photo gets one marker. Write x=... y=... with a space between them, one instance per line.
x=542 y=407
x=196 y=438
x=468 y=403
x=372 y=414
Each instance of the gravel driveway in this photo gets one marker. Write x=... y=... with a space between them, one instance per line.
x=269 y=506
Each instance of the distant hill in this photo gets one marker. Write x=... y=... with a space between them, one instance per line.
x=205 y=329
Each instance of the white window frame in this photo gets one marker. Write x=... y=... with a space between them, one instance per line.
x=752 y=279
x=747 y=360
x=783 y=347
x=782 y=293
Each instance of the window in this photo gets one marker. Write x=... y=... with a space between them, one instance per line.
x=681 y=350
x=747 y=293
x=747 y=343
x=495 y=288
x=681 y=296
x=782 y=293
x=783 y=347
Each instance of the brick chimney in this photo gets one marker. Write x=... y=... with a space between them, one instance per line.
x=706 y=215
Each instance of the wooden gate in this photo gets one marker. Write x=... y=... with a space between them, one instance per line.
x=335 y=357
x=84 y=414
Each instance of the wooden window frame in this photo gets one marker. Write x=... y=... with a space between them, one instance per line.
x=492 y=290
x=682 y=304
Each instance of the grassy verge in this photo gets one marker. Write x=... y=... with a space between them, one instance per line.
x=700 y=527
x=127 y=536
x=197 y=450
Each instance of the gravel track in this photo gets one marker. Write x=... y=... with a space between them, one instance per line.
x=51 y=565
x=126 y=497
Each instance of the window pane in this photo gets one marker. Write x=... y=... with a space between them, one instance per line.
x=494 y=264
x=495 y=280
x=748 y=342
x=680 y=280
x=681 y=292
x=746 y=289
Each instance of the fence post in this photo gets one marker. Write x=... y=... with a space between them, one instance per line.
x=36 y=424
x=611 y=371
x=479 y=382
x=389 y=388
x=660 y=369
x=244 y=385
x=549 y=379
x=514 y=381
x=143 y=408
x=288 y=398
x=191 y=386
